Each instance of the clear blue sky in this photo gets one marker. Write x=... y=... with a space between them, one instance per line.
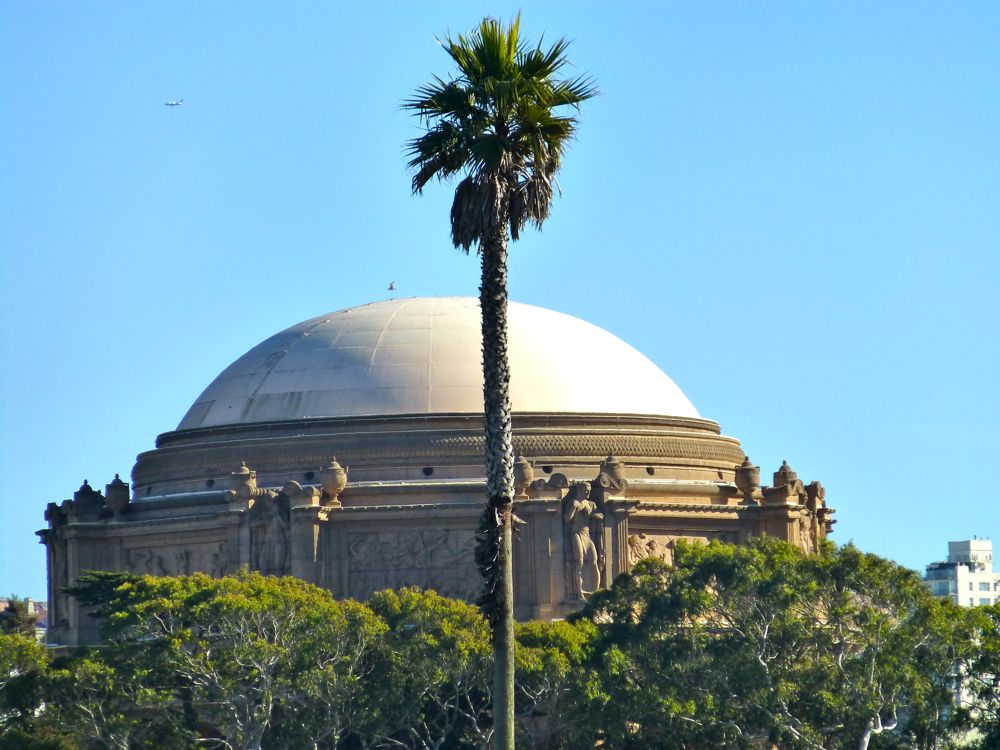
x=792 y=208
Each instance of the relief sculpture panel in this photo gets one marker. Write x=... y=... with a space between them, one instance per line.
x=438 y=559
x=659 y=545
x=207 y=557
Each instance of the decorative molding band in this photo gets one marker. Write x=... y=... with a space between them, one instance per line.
x=327 y=426
x=668 y=507
x=293 y=455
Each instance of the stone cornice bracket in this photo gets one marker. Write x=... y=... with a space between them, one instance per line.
x=300 y=496
x=788 y=489
x=553 y=488
x=785 y=475
x=243 y=487
x=610 y=481
x=816 y=502
x=56 y=515
x=333 y=479
x=815 y=496
x=87 y=505
x=748 y=482
x=524 y=473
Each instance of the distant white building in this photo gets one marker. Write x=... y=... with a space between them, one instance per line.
x=967 y=577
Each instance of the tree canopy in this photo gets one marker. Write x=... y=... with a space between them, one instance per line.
x=761 y=646
x=754 y=647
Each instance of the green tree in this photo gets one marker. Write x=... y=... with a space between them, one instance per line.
x=15 y=617
x=889 y=653
x=433 y=690
x=496 y=122
x=248 y=659
x=22 y=665
x=46 y=739
x=555 y=685
x=980 y=681
x=759 y=646
x=108 y=708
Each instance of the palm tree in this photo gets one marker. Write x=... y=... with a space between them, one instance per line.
x=498 y=123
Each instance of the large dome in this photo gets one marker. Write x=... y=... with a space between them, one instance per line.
x=422 y=356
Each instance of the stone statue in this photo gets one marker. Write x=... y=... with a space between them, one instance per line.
x=578 y=509
x=269 y=535
x=807 y=535
x=218 y=561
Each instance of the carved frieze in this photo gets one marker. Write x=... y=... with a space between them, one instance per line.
x=438 y=559
x=642 y=545
x=174 y=560
x=661 y=545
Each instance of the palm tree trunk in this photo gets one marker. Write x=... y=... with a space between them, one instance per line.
x=499 y=594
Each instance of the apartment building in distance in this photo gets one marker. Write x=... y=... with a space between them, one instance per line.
x=967 y=576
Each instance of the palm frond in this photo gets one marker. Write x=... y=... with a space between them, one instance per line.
x=467 y=214
x=574 y=92
x=440 y=152
x=498 y=122
x=542 y=65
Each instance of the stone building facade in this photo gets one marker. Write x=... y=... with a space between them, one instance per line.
x=614 y=465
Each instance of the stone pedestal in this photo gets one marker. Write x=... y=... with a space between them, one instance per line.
x=538 y=550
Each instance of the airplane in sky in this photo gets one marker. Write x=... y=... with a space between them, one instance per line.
x=173 y=103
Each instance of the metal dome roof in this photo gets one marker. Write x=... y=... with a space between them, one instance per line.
x=422 y=356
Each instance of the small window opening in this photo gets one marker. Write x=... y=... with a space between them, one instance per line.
x=428 y=470
x=210 y=483
x=650 y=470
x=547 y=469
x=310 y=475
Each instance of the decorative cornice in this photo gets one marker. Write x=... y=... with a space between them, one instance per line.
x=668 y=507
x=291 y=455
x=445 y=421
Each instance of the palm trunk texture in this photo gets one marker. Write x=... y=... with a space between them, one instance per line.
x=498 y=596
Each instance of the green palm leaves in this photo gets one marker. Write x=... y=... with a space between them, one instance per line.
x=502 y=123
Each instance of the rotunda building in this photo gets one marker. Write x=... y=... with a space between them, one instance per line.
x=347 y=450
